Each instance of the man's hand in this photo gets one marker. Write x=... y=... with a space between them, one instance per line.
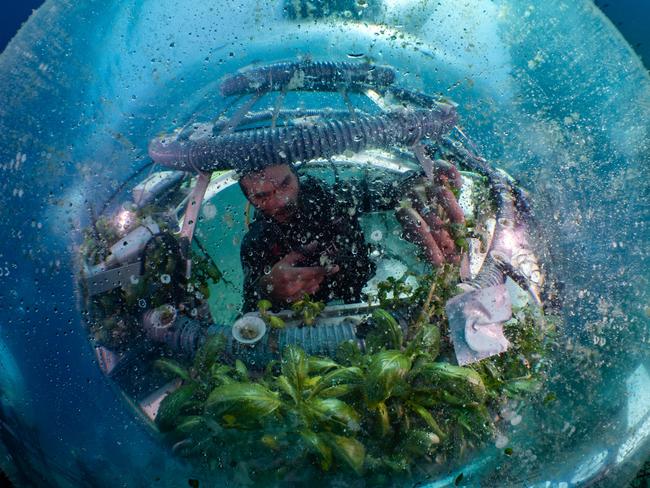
x=430 y=207
x=289 y=282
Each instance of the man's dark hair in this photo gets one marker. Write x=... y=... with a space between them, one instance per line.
x=252 y=171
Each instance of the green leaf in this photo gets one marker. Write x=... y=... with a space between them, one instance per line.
x=335 y=411
x=549 y=398
x=337 y=391
x=476 y=421
x=385 y=372
x=174 y=405
x=196 y=427
x=271 y=367
x=318 y=445
x=321 y=365
x=242 y=404
x=424 y=398
x=452 y=399
x=522 y=386
x=421 y=442
x=343 y=376
x=191 y=424
x=459 y=382
x=220 y=374
x=209 y=351
x=307 y=310
x=218 y=369
x=350 y=451
x=264 y=305
x=348 y=353
x=276 y=322
x=241 y=369
x=427 y=340
x=428 y=418
x=295 y=367
x=173 y=368
x=491 y=371
x=284 y=385
x=384 y=419
x=387 y=333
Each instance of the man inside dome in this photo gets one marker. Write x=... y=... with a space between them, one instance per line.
x=306 y=237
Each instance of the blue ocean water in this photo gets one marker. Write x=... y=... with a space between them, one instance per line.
x=627 y=15
x=61 y=157
x=629 y=18
x=13 y=17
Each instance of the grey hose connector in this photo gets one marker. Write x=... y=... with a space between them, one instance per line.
x=184 y=335
x=307 y=76
x=262 y=147
x=322 y=340
x=187 y=336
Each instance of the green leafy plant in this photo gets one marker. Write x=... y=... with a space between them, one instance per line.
x=383 y=413
x=379 y=414
x=307 y=310
x=298 y=411
x=423 y=303
x=114 y=316
x=391 y=292
x=273 y=321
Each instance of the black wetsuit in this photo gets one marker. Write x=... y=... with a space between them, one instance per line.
x=331 y=220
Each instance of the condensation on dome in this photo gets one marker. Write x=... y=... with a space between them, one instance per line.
x=432 y=270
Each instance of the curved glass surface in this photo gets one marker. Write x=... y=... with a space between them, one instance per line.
x=548 y=92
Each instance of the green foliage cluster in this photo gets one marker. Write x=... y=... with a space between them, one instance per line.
x=273 y=321
x=114 y=316
x=391 y=411
x=98 y=239
x=520 y=372
x=391 y=291
x=307 y=310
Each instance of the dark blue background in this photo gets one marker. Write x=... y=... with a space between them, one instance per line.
x=630 y=16
x=13 y=15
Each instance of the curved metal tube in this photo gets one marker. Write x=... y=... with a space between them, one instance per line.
x=509 y=251
x=307 y=76
x=262 y=147
x=255 y=117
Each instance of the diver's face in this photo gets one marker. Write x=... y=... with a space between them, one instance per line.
x=273 y=191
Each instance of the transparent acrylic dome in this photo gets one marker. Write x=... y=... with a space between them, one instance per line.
x=548 y=92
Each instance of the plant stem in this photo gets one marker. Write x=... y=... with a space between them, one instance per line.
x=425 y=313
x=426 y=310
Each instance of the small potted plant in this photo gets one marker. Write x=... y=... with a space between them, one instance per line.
x=249 y=329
